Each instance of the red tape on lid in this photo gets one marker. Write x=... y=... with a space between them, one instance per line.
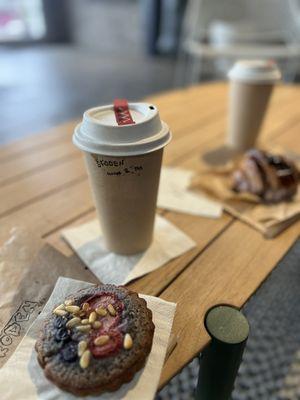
x=122 y=113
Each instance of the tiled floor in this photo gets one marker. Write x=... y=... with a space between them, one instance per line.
x=271 y=364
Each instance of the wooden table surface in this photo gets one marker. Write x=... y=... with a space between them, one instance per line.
x=43 y=184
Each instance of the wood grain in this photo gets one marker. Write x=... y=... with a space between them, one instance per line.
x=30 y=163
x=35 y=143
x=43 y=185
x=53 y=176
x=229 y=271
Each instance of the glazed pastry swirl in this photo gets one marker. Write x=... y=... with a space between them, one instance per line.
x=273 y=178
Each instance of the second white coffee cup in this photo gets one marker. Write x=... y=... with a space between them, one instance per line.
x=251 y=85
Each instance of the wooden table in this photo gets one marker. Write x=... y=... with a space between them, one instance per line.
x=43 y=184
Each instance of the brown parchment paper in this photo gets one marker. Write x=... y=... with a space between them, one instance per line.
x=23 y=367
x=270 y=219
x=29 y=269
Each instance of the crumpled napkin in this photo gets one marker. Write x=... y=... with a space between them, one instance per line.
x=22 y=376
x=174 y=194
x=169 y=242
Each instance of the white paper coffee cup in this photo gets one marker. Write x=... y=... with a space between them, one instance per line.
x=251 y=85
x=124 y=163
x=99 y=132
x=255 y=71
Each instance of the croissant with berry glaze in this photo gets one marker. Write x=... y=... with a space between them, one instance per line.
x=271 y=177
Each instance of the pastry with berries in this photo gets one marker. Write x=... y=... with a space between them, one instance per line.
x=96 y=340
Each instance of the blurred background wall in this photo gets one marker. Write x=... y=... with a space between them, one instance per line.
x=59 y=57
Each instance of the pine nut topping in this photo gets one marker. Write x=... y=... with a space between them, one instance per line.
x=83 y=328
x=85 y=321
x=61 y=313
x=69 y=302
x=101 y=340
x=92 y=317
x=101 y=311
x=82 y=346
x=73 y=322
x=111 y=310
x=127 y=344
x=60 y=307
x=97 y=325
x=85 y=306
x=72 y=309
x=85 y=359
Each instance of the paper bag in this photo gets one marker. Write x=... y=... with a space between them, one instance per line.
x=29 y=270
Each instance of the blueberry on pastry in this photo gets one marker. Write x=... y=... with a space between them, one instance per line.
x=96 y=340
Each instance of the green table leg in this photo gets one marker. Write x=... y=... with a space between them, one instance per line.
x=229 y=330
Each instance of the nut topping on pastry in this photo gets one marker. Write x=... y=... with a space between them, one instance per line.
x=96 y=340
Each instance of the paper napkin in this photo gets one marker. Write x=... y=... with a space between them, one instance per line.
x=86 y=240
x=174 y=194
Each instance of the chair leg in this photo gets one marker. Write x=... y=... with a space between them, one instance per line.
x=292 y=70
x=180 y=69
x=197 y=69
x=194 y=71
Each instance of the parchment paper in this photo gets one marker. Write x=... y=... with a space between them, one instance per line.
x=22 y=375
x=169 y=242
x=29 y=270
x=269 y=219
x=174 y=194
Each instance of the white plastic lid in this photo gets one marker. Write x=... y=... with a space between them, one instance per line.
x=100 y=133
x=255 y=71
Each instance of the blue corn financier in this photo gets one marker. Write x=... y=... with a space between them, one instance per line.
x=95 y=340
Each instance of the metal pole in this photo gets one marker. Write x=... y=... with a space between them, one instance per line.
x=229 y=330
